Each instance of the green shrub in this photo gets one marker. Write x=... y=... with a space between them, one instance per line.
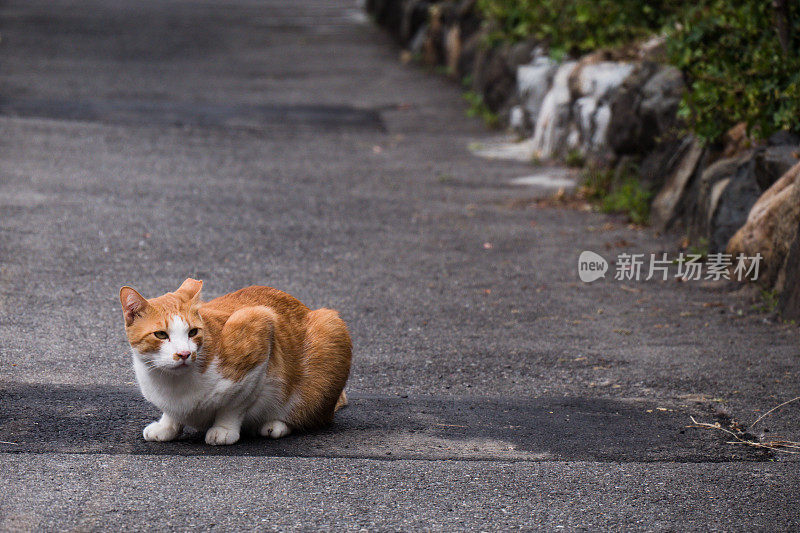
x=631 y=199
x=700 y=248
x=597 y=182
x=617 y=192
x=768 y=303
x=478 y=108
x=736 y=67
x=576 y=26
x=575 y=159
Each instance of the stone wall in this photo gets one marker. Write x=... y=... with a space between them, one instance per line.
x=619 y=108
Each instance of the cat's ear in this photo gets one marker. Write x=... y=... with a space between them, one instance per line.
x=133 y=304
x=190 y=288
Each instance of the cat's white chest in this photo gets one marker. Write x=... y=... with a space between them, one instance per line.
x=195 y=399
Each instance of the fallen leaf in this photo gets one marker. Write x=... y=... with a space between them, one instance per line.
x=622 y=243
x=629 y=289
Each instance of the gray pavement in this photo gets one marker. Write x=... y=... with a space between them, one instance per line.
x=283 y=144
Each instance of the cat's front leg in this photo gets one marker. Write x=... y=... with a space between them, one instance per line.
x=225 y=430
x=167 y=428
x=275 y=429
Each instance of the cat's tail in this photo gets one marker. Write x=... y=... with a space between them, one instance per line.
x=341 y=402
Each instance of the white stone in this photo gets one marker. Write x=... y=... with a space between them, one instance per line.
x=574 y=138
x=516 y=118
x=533 y=82
x=548 y=180
x=602 y=118
x=505 y=148
x=599 y=79
x=596 y=83
x=552 y=125
x=585 y=108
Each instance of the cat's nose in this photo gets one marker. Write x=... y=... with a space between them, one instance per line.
x=183 y=355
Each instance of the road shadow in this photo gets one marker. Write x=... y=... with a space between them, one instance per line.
x=101 y=419
x=143 y=112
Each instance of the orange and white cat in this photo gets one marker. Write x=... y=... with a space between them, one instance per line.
x=255 y=359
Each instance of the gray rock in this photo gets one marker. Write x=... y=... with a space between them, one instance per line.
x=592 y=85
x=666 y=207
x=520 y=53
x=414 y=17
x=466 y=9
x=770 y=230
x=418 y=41
x=468 y=19
x=706 y=193
x=774 y=162
x=470 y=54
x=729 y=188
x=627 y=124
x=731 y=210
x=789 y=298
x=783 y=137
x=494 y=78
x=655 y=166
x=452 y=47
x=387 y=13
x=644 y=108
x=661 y=96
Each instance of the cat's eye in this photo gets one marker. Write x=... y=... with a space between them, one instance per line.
x=193 y=332
x=161 y=334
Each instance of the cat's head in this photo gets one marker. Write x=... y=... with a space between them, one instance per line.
x=166 y=333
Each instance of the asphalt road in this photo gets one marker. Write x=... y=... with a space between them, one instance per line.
x=282 y=143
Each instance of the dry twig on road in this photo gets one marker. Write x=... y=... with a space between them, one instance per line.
x=774 y=444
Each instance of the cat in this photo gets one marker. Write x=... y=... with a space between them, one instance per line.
x=255 y=359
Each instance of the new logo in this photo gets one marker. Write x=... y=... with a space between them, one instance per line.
x=591 y=266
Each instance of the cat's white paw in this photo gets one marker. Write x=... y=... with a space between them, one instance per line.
x=218 y=436
x=161 y=432
x=275 y=429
